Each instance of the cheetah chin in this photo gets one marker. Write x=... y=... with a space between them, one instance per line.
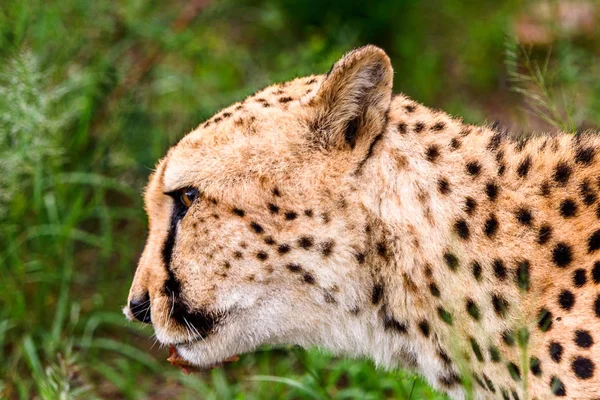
x=326 y=212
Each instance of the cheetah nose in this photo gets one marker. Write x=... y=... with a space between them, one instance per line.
x=140 y=308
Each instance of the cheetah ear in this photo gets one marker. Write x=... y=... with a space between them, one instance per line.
x=354 y=99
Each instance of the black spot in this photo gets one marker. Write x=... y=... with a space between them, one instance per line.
x=522 y=275
x=377 y=294
x=562 y=172
x=489 y=383
x=587 y=194
x=327 y=248
x=524 y=216
x=544 y=320
x=583 y=367
x=308 y=213
x=389 y=322
x=494 y=354
x=594 y=241
x=273 y=208
x=434 y=290
x=521 y=143
x=495 y=141
x=579 y=277
x=419 y=126
x=476 y=349
x=505 y=395
x=402 y=127
x=432 y=153
x=597 y=306
x=238 y=255
x=499 y=269
x=596 y=273
x=491 y=226
x=308 y=278
x=478 y=380
x=286 y=99
x=450 y=380
x=438 y=126
x=583 y=338
x=476 y=268
x=276 y=192
x=290 y=216
x=473 y=310
x=585 y=155
x=269 y=240
x=410 y=107
x=451 y=261
x=443 y=186
x=360 y=257
x=598 y=211
x=557 y=387
x=381 y=249
x=470 y=205
x=508 y=337
x=545 y=189
x=455 y=143
x=261 y=255
x=444 y=315
x=500 y=304
x=444 y=356
x=283 y=248
x=424 y=328
x=535 y=366
x=555 y=350
x=294 y=267
x=514 y=371
x=473 y=168
x=568 y=208
x=256 y=227
x=238 y=212
x=562 y=255
x=305 y=242
x=524 y=166
x=328 y=297
x=501 y=169
x=491 y=190
x=544 y=234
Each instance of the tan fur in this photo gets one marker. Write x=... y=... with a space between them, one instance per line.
x=366 y=244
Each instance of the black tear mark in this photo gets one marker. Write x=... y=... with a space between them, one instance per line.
x=172 y=284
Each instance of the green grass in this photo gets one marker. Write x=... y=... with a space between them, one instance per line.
x=93 y=93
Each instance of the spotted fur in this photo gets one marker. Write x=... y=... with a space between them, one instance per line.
x=327 y=212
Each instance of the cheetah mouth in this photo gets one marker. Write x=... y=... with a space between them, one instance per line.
x=186 y=367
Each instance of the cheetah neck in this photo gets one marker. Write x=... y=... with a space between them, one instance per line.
x=424 y=200
x=492 y=242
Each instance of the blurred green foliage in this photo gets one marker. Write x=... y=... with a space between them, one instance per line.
x=92 y=93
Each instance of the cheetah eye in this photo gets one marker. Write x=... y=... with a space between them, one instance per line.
x=187 y=196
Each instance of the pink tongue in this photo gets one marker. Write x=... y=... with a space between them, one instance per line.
x=186 y=367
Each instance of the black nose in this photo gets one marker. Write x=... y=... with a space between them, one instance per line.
x=140 y=308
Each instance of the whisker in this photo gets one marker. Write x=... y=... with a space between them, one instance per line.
x=172 y=306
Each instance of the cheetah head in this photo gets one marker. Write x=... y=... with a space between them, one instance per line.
x=258 y=220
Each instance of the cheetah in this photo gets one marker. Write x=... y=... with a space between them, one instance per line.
x=326 y=212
